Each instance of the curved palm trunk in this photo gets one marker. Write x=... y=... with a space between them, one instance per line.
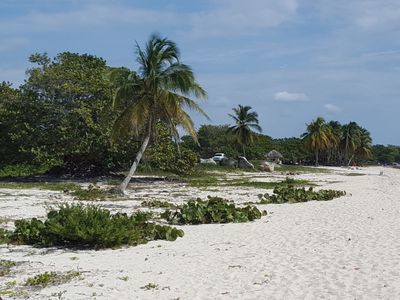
x=136 y=162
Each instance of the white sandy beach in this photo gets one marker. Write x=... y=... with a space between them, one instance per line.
x=347 y=248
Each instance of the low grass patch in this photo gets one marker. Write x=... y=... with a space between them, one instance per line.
x=51 y=186
x=300 y=169
x=23 y=170
x=51 y=278
x=268 y=185
x=354 y=174
x=79 y=226
x=5 y=267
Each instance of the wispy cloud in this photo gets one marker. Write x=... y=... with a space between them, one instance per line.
x=332 y=108
x=233 y=17
x=290 y=97
x=11 y=44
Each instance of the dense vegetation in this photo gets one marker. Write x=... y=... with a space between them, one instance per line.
x=91 y=227
x=78 y=116
x=212 y=210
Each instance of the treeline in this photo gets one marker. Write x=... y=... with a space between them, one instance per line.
x=63 y=116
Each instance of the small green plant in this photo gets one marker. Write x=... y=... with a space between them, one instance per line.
x=150 y=286
x=51 y=278
x=158 y=204
x=90 y=227
x=4 y=236
x=283 y=194
x=52 y=186
x=124 y=278
x=213 y=210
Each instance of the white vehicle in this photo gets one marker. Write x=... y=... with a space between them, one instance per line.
x=219 y=157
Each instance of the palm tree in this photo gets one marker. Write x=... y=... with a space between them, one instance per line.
x=364 y=148
x=350 y=140
x=159 y=91
x=317 y=137
x=336 y=137
x=245 y=124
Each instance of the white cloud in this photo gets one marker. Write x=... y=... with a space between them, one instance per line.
x=290 y=97
x=332 y=108
x=232 y=17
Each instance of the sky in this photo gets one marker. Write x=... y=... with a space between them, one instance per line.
x=290 y=60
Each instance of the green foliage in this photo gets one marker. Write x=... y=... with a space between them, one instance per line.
x=4 y=236
x=92 y=227
x=283 y=194
x=51 y=278
x=164 y=154
x=5 y=266
x=52 y=186
x=22 y=170
x=213 y=210
x=386 y=154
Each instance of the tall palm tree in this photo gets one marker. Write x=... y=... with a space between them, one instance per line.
x=246 y=122
x=336 y=137
x=317 y=137
x=364 y=148
x=159 y=91
x=350 y=140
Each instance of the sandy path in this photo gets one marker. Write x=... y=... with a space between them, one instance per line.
x=348 y=248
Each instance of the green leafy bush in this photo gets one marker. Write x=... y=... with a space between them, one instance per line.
x=158 y=204
x=164 y=155
x=92 y=227
x=213 y=210
x=282 y=194
x=4 y=236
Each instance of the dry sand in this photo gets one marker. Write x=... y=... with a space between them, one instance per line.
x=347 y=248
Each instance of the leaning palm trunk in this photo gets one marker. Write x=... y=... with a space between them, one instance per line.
x=136 y=162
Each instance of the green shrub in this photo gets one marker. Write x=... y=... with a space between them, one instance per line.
x=93 y=192
x=213 y=210
x=5 y=266
x=4 y=236
x=282 y=194
x=158 y=204
x=164 y=155
x=91 y=227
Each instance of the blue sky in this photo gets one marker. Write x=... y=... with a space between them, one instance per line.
x=291 y=60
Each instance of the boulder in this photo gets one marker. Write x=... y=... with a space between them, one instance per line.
x=267 y=167
x=244 y=163
x=208 y=161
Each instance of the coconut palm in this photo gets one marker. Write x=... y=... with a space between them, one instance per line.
x=336 y=137
x=159 y=91
x=246 y=122
x=364 y=148
x=350 y=140
x=318 y=137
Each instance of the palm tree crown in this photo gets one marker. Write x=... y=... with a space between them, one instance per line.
x=246 y=122
x=318 y=136
x=160 y=91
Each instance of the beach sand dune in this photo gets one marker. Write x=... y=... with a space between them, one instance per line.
x=347 y=248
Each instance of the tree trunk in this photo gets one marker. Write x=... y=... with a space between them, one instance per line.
x=133 y=168
x=316 y=158
x=244 y=152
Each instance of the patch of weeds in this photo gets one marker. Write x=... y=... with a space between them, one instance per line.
x=11 y=283
x=90 y=227
x=158 y=204
x=268 y=185
x=93 y=192
x=213 y=210
x=354 y=174
x=51 y=278
x=5 y=266
x=14 y=293
x=23 y=170
x=74 y=258
x=150 y=286
x=4 y=236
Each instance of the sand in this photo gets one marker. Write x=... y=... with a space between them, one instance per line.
x=347 y=248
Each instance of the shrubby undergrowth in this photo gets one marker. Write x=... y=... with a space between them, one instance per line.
x=91 y=227
x=213 y=210
x=282 y=194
